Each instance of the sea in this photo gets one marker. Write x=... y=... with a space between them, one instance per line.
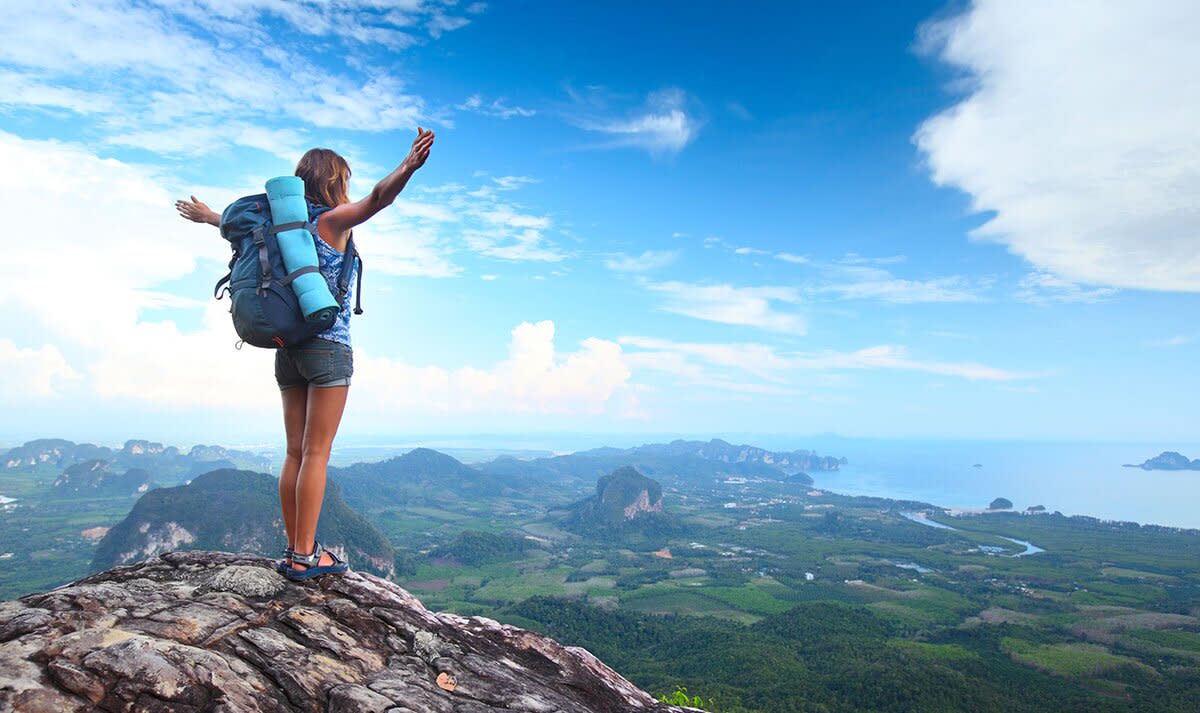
x=1074 y=478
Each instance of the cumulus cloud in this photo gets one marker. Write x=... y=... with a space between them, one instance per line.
x=32 y=373
x=1077 y=133
x=534 y=378
x=729 y=304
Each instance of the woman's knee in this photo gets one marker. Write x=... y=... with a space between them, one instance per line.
x=295 y=451
x=313 y=451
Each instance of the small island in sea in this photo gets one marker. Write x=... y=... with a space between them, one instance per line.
x=1168 y=460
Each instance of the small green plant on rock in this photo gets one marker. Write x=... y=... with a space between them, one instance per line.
x=681 y=698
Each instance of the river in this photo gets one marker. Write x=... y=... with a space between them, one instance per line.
x=921 y=519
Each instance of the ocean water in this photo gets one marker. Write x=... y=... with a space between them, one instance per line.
x=1074 y=478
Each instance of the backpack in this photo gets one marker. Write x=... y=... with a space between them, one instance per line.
x=266 y=311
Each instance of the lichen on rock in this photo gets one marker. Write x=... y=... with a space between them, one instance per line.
x=204 y=631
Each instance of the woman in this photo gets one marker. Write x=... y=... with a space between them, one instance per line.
x=314 y=377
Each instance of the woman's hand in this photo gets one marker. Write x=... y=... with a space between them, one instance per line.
x=197 y=211
x=420 y=149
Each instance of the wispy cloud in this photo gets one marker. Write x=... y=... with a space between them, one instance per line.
x=1046 y=287
x=792 y=258
x=213 y=68
x=648 y=260
x=662 y=126
x=1178 y=340
x=496 y=107
x=856 y=259
x=729 y=304
x=486 y=223
x=688 y=359
x=872 y=283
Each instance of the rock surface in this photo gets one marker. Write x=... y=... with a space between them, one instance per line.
x=223 y=633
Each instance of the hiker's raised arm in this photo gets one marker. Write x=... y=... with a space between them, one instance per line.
x=197 y=211
x=344 y=217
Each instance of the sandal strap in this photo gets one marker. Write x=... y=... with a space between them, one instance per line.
x=309 y=560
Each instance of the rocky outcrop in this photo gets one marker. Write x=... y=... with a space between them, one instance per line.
x=235 y=510
x=1168 y=460
x=203 y=631
x=96 y=477
x=625 y=500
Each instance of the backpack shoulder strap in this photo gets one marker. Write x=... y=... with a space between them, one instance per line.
x=349 y=257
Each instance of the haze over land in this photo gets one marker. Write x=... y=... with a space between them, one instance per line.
x=645 y=556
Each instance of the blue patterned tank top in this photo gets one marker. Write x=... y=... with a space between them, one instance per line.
x=329 y=261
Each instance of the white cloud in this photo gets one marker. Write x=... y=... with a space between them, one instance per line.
x=686 y=360
x=648 y=260
x=872 y=283
x=427 y=226
x=1178 y=340
x=211 y=67
x=111 y=259
x=1045 y=287
x=96 y=268
x=497 y=107
x=1078 y=133
x=512 y=183
x=794 y=259
x=728 y=304
x=27 y=91
x=760 y=360
x=663 y=126
x=186 y=141
x=534 y=378
x=32 y=373
x=397 y=247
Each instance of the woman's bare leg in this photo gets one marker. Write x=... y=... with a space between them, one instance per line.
x=325 y=406
x=295 y=404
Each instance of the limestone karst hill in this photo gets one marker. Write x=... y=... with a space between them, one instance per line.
x=196 y=631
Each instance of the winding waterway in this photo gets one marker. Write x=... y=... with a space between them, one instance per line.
x=921 y=519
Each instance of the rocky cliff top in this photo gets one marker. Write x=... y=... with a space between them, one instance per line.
x=223 y=633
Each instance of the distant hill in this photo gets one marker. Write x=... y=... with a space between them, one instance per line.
x=235 y=511
x=166 y=464
x=679 y=461
x=96 y=477
x=421 y=475
x=624 y=501
x=1168 y=460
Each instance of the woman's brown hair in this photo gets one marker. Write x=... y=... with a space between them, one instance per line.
x=326 y=177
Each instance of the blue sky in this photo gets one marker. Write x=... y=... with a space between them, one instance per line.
x=963 y=220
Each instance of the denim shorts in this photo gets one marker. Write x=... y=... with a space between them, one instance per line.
x=317 y=362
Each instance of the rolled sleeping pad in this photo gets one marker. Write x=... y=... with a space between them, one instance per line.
x=286 y=196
